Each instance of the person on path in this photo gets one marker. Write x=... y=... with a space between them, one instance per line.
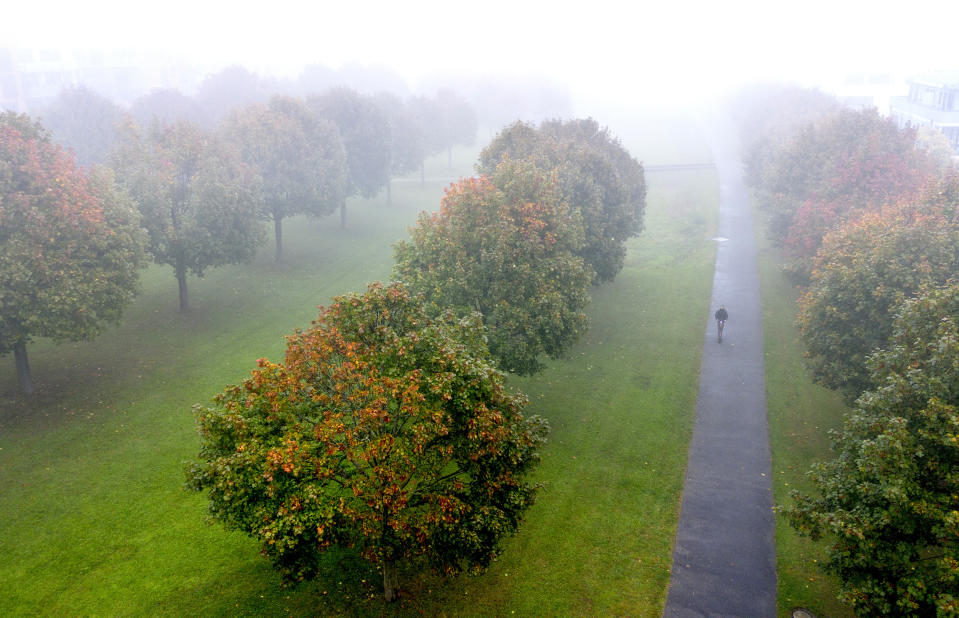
x=721 y=316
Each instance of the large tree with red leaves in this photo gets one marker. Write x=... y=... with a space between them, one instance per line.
x=834 y=169
x=70 y=244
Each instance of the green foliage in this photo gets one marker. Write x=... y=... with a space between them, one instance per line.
x=299 y=158
x=597 y=177
x=70 y=242
x=888 y=502
x=197 y=199
x=232 y=87
x=365 y=131
x=384 y=431
x=505 y=246
x=456 y=122
x=769 y=117
x=862 y=274
x=407 y=134
x=166 y=106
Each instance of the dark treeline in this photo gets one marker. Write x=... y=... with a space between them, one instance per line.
x=867 y=215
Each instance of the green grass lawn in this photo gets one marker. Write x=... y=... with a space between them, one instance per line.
x=800 y=416
x=94 y=519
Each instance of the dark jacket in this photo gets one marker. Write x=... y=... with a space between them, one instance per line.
x=722 y=315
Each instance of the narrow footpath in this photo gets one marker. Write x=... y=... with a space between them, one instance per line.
x=724 y=557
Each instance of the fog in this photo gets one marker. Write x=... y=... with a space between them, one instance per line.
x=604 y=52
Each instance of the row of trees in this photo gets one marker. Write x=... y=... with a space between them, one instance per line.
x=88 y=123
x=869 y=216
x=200 y=195
x=387 y=429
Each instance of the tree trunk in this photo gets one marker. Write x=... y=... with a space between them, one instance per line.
x=23 y=367
x=278 y=232
x=389 y=191
x=343 y=214
x=389 y=580
x=180 y=269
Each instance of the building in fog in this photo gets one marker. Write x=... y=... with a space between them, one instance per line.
x=933 y=101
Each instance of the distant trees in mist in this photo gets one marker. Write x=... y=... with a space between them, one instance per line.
x=299 y=159
x=196 y=197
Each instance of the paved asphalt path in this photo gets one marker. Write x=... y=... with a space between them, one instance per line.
x=724 y=557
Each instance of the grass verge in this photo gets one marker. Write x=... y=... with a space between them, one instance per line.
x=801 y=414
x=94 y=520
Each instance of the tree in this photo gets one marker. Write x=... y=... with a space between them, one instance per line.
x=937 y=147
x=84 y=121
x=407 y=137
x=197 y=199
x=384 y=431
x=456 y=124
x=299 y=158
x=597 y=177
x=852 y=161
x=504 y=245
x=862 y=274
x=888 y=502
x=70 y=244
x=365 y=132
x=166 y=106
x=425 y=111
x=232 y=87
x=769 y=117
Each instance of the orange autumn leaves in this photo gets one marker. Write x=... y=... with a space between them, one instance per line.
x=384 y=430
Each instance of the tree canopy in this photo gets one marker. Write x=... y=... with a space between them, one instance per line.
x=597 y=177
x=769 y=117
x=85 y=122
x=197 y=199
x=365 y=131
x=455 y=124
x=166 y=106
x=299 y=158
x=830 y=170
x=504 y=245
x=70 y=244
x=232 y=87
x=861 y=276
x=887 y=504
x=407 y=136
x=384 y=430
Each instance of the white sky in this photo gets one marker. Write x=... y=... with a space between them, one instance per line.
x=607 y=48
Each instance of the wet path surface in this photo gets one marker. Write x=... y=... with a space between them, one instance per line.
x=724 y=558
